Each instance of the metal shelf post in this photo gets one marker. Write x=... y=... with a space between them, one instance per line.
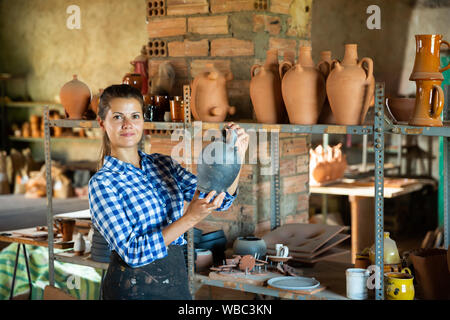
x=379 y=190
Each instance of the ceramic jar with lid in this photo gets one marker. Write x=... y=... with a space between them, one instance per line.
x=249 y=246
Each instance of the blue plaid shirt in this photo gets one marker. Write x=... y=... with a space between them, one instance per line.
x=131 y=206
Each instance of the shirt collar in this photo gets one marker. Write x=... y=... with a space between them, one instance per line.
x=114 y=164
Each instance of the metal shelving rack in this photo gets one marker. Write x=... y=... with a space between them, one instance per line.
x=380 y=127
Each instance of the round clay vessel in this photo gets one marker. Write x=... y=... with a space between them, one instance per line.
x=265 y=90
x=401 y=108
x=209 y=100
x=324 y=66
x=350 y=87
x=75 y=96
x=249 y=245
x=303 y=89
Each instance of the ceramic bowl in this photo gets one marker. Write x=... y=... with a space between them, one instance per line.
x=401 y=108
x=249 y=245
x=212 y=235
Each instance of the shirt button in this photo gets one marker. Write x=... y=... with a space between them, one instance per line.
x=170 y=221
x=164 y=205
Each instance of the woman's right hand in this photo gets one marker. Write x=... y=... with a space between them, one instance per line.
x=199 y=209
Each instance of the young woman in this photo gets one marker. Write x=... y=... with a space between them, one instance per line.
x=137 y=203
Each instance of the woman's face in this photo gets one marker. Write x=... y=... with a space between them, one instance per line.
x=124 y=122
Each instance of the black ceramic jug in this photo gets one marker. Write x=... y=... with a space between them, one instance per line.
x=218 y=164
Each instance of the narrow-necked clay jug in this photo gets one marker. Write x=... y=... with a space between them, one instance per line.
x=265 y=90
x=326 y=116
x=209 y=100
x=218 y=164
x=350 y=87
x=75 y=96
x=303 y=89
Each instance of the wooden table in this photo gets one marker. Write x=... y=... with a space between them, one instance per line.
x=362 y=202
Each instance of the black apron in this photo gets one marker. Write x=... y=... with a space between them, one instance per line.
x=162 y=279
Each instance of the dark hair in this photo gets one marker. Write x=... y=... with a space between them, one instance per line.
x=110 y=93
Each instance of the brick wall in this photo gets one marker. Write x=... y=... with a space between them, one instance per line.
x=233 y=34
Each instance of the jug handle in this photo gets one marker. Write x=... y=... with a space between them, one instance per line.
x=327 y=68
x=253 y=69
x=439 y=102
x=369 y=69
x=447 y=66
x=284 y=67
x=406 y=270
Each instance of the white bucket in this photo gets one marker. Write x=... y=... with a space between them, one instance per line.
x=357 y=283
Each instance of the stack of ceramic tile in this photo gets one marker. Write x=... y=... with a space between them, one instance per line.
x=307 y=243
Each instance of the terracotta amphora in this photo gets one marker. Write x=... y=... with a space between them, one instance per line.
x=265 y=90
x=209 y=100
x=75 y=96
x=429 y=104
x=326 y=116
x=303 y=89
x=350 y=87
x=427 y=61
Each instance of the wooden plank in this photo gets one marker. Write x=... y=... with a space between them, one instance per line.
x=254 y=279
x=350 y=189
x=333 y=252
x=58 y=244
x=336 y=240
x=302 y=237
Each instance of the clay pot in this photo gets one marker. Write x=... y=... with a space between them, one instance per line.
x=79 y=245
x=401 y=108
x=427 y=60
x=431 y=271
x=204 y=259
x=66 y=228
x=209 y=100
x=75 y=96
x=326 y=116
x=429 y=104
x=95 y=101
x=350 y=87
x=133 y=79
x=265 y=90
x=249 y=245
x=303 y=89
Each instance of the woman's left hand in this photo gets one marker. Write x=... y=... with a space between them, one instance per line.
x=242 y=139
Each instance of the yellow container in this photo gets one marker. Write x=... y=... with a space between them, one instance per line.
x=399 y=285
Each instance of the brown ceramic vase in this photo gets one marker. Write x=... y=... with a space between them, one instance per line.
x=427 y=60
x=350 y=87
x=95 y=101
x=209 y=100
x=429 y=104
x=265 y=90
x=75 y=96
x=133 y=79
x=303 y=89
x=326 y=116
